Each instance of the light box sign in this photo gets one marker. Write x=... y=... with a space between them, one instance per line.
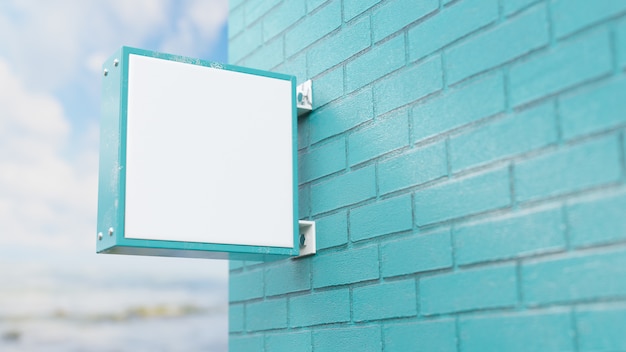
x=197 y=159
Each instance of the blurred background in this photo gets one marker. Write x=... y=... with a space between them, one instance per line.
x=56 y=294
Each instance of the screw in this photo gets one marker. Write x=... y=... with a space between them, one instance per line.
x=116 y=62
x=110 y=231
x=106 y=72
x=302 y=240
x=99 y=235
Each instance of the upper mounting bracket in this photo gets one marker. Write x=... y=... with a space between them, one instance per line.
x=304 y=98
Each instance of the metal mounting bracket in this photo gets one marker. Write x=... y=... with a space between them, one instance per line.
x=307 y=238
x=304 y=98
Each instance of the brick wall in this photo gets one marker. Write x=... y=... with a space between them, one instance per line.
x=465 y=166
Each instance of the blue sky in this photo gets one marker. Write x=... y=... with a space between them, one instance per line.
x=50 y=73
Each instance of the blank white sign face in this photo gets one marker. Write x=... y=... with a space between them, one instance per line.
x=209 y=155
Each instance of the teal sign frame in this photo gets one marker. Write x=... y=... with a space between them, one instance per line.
x=111 y=234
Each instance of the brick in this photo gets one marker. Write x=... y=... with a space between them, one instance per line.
x=363 y=339
x=328 y=87
x=320 y=308
x=510 y=237
x=268 y=56
x=554 y=70
x=247 y=343
x=449 y=25
x=311 y=5
x=289 y=276
x=345 y=267
x=570 y=16
x=596 y=109
x=256 y=9
x=322 y=160
x=245 y=285
x=601 y=329
x=378 y=138
x=304 y=202
x=517 y=333
x=342 y=190
x=513 y=6
x=416 y=254
x=575 y=278
x=235 y=318
x=462 y=197
x=567 y=170
x=341 y=115
x=620 y=38
x=283 y=16
x=395 y=15
x=501 y=44
x=331 y=230
x=299 y=341
x=353 y=8
x=493 y=287
x=337 y=48
x=459 y=106
x=381 y=218
x=373 y=302
x=303 y=134
x=436 y=335
x=414 y=167
x=233 y=4
x=312 y=28
x=266 y=315
x=295 y=66
x=379 y=61
x=236 y=22
x=597 y=221
x=515 y=134
x=245 y=43
x=408 y=85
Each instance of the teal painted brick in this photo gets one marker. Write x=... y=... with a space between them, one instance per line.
x=320 y=308
x=582 y=59
x=596 y=109
x=395 y=15
x=379 y=61
x=312 y=28
x=331 y=230
x=328 y=87
x=408 y=85
x=335 y=49
x=493 y=287
x=514 y=134
x=569 y=16
x=235 y=264
x=283 y=16
x=511 y=237
x=452 y=23
x=245 y=285
x=416 y=254
x=246 y=343
x=289 y=276
x=601 y=329
x=245 y=43
x=342 y=190
x=295 y=66
x=576 y=278
x=362 y=339
x=235 y=318
x=291 y=342
x=517 y=333
x=378 y=138
x=345 y=267
x=597 y=221
x=266 y=315
x=462 y=105
x=236 y=22
x=268 y=56
x=341 y=115
x=507 y=41
x=428 y=336
x=322 y=160
x=311 y=5
x=466 y=196
x=353 y=8
x=620 y=38
x=303 y=134
x=304 y=202
x=387 y=300
x=414 y=167
x=233 y=4
x=381 y=218
x=512 y=6
x=256 y=9
x=570 y=169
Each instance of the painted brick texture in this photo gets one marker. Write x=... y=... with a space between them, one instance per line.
x=465 y=164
